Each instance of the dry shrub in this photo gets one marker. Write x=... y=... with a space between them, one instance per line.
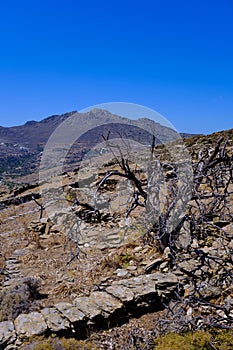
x=20 y=298
x=199 y=340
x=41 y=343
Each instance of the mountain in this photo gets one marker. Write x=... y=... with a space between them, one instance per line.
x=21 y=146
x=32 y=134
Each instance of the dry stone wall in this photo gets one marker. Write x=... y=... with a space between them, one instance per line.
x=118 y=302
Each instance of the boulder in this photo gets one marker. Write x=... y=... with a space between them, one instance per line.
x=27 y=325
x=54 y=319
x=105 y=302
x=70 y=311
x=119 y=291
x=91 y=310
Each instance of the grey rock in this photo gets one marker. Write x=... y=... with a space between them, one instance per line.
x=105 y=302
x=195 y=243
x=27 y=325
x=19 y=252
x=7 y=333
x=213 y=292
x=70 y=311
x=140 y=286
x=12 y=260
x=188 y=265
x=152 y=265
x=129 y=289
x=13 y=271
x=165 y=283
x=119 y=291
x=42 y=221
x=132 y=268
x=185 y=235
x=121 y=272
x=229 y=302
x=167 y=253
x=91 y=310
x=54 y=319
x=164 y=265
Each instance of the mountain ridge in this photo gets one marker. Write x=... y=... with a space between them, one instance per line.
x=21 y=146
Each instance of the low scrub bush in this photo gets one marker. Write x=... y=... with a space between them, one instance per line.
x=21 y=298
x=199 y=340
x=41 y=343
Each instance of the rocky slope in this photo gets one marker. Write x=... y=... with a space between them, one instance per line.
x=113 y=282
x=21 y=146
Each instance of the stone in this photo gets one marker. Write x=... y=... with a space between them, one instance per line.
x=229 y=230
x=212 y=293
x=131 y=268
x=43 y=221
x=163 y=265
x=121 y=272
x=153 y=265
x=195 y=243
x=140 y=286
x=12 y=260
x=165 y=283
x=54 y=319
x=137 y=249
x=7 y=333
x=105 y=302
x=129 y=289
x=167 y=253
x=185 y=235
x=91 y=310
x=27 y=325
x=229 y=302
x=70 y=311
x=188 y=265
x=121 y=292
x=189 y=314
x=165 y=269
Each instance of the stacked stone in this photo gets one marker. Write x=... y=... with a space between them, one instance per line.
x=118 y=301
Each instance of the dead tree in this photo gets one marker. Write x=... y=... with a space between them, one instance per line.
x=212 y=190
x=206 y=265
x=163 y=194
x=168 y=185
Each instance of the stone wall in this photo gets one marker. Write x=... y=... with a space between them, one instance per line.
x=121 y=300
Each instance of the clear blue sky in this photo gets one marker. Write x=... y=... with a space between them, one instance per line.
x=174 y=56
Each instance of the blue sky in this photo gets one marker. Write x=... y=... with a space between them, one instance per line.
x=172 y=56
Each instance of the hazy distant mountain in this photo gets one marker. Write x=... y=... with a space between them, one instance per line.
x=21 y=146
x=32 y=134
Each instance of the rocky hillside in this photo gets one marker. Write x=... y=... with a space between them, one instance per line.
x=21 y=146
x=108 y=280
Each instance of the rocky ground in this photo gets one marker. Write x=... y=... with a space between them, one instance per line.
x=131 y=286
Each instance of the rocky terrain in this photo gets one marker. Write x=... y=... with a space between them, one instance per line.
x=116 y=287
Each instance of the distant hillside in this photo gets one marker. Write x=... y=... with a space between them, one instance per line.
x=21 y=146
x=32 y=134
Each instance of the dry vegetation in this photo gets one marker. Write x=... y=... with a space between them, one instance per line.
x=43 y=257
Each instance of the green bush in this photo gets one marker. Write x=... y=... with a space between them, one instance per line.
x=41 y=343
x=173 y=341
x=199 y=340
x=224 y=340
